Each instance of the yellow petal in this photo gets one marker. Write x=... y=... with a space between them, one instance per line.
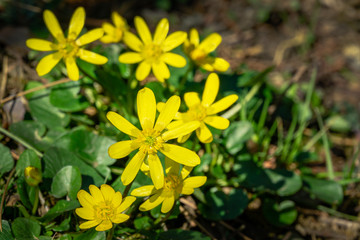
x=96 y=193
x=171 y=167
x=152 y=202
x=108 y=28
x=183 y=139
x=194 y=37
x=47 y=63
x=185 y=171
x=182 y=130
x=123 y=125
x=173 y=59
x=217 y=122
x=72 y=68
x=161 y=31
x=117 y=199
x=53 y=25
x=92 y=57
x=132 y=41
x=40 y=45
x=85 y=199
x=191 y=99
x=85 y=213
x=132 y=168
x=146 y=107
x=126 y=203
x=168 y=203
x=211 y=90
x=144 y=191
x=122 y=149
x=180 y=154
x=107 y=39
x=119 y=218
x=118 y=20
x=173 y=40
x=194 y=182
x=207 y=64
x=187 y=190
x=160 y=106
x=107 y=192
x=221 y=65
x=222 y=104
x=90 y=36
x=104 y=225
x=142 y=30
x=175 y=124
x=90 y=224
x=210 y=43
x=167 y=115
x=142 y=71
x=130 y=57
x=203 y=133
x=161 y=71
x=76 y=23
x=156 y=171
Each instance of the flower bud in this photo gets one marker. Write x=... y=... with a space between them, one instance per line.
x=32 y=176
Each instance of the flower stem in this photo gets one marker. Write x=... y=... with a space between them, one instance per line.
x=168 y=214
x=110 y=233
x=127 y=189
x=4 y=194
x=36 y=201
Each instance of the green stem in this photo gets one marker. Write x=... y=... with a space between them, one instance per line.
x=168 y=214
x=36 y=201
x=110 y=233
x=127 y=189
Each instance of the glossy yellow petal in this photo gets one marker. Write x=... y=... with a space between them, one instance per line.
x=108 y=28
x=90 y=36
x=161 y=31
x=146 y=108
x=123 y=125
x=221 y=65
x=180 y=154
x=53 y=25
x=156 y=171
x=152 y=202
x=107 y=192
x=187 y=190
x=132 y=41
x=185 y=171
x=107 y=39
x=40 y=45
x=142 y=30
x=160 y=70
x=194 y=37
x=222 y=104
x=211 y=90
x=203 y=133
x=173 y=40
x=126 y=203
x=145 y=169
x=182 y=130
x=167 y=115
x=96 y=193
x=217 y=122
x=210 y=43
x=171 y=167
x=117 y=199
x=104 y=225
x=118 y=20
x=119 y=218
x=76 y=23
x=194 y=182
x=207 y=65
x=122 y=149
x=85 y=213
x=142 y=71
x=48 y=62
x=92 y=57
x=89 y=224
x=175 y=124
x=85 y=199
x=168 y=203
x=191 y=99
x=132 y=168
x=72 y=68
x=144 y=191
x=130 y=57
x=173 y=59
x=160 y=106
x=183 y=139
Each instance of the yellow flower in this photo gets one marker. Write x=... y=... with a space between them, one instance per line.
x=175 y=184
x=199 y=52
x=151 y=139
x=68 y=48
x=102 y=207
x=204 y=111
x=153 y=52
x=114 y=33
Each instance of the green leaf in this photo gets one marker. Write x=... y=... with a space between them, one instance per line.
x=283 y=182
x=279 y=214
x=6 y=231
x=179 y=234
x=221 y=206
x=114 y=85
x=143 y=223
x=91 y=234
x=328 y=191
x=24 y=192
x=236 y=135
x=25 y=228
x=66 y=97
x=6 y=160
x=60 y=208
x=26 y=159
x=339 y=124
x=67 y=181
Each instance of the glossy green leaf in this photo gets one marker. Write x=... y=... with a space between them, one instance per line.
x=91 y=234
x=143 y=223
x=26 y=159
x=60 y=208
x=67 y=181
x=279 y=214
x=6 y=231
x=25 y=228
x=236 y=135
x=6 y=160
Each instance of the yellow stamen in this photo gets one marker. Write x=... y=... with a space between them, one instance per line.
x=152 y=53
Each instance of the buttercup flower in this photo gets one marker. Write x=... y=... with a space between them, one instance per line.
x=175 y=184
x=203 y=111
x=68 y=48
x=152 y=138
x=199 y=52
x=114 y=33
x=153 y=52
x=102 y=207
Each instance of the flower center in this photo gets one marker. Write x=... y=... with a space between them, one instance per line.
x=197 y=112
x=152 y=141
x=152 y=52
x=68 y=48
x=198 y=54
x=172 y=183
x=104 y=211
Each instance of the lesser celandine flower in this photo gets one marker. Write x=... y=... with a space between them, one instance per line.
x=114 y=33
x=176 y=183
x=199 y=51
x=204 y=111
x=152 y=53
x=152 y=138
x=68 y=48
x=33 y=176
x=102 y=207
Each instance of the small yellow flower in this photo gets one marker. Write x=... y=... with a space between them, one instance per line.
x=175 y=184
x=203 y=111
x=153 y=52
x=151 y=139
x=102 y=207
x=199 y=52
x=114 y=33
x=68 y=48
x=33 y=176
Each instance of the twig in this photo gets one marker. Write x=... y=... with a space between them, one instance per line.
x=4 y=76
x=4 y=194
